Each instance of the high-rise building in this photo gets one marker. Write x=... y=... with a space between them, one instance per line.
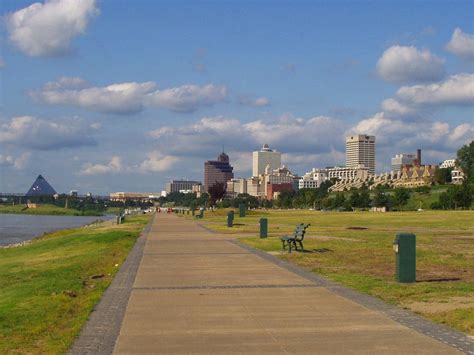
x=264 y=157
x=180 y=185
x=360 y=150
x=217 y=171
x=400 y=160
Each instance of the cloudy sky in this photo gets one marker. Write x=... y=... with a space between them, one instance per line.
x=102 y=95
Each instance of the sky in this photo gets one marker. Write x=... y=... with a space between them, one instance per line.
x=113 y=95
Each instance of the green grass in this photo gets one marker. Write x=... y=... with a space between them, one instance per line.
x=364 y=259
x=45 y=209
x=47 y=291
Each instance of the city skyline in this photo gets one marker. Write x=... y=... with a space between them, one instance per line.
x=103 y=107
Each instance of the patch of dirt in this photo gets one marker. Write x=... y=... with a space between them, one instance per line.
x=451 y=304
x=357 y=228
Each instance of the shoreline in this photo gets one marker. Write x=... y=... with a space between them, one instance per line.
x=99 y=220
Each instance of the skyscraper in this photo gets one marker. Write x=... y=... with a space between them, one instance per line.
x=360 y=150
x=217 y=171
x=264 y=157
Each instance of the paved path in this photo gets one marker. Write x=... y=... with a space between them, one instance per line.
x=200 y=292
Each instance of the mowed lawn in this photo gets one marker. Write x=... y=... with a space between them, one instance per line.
x=49 y=287
x=355 y=249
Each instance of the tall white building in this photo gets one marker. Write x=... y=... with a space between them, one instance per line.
x=360 y=150
x=264 y=157
x=400 y=160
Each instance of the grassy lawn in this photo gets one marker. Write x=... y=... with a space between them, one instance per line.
x=47 y=290
x=43 y=209
x=355 y=249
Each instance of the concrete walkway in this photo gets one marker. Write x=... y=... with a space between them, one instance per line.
x=199 y=292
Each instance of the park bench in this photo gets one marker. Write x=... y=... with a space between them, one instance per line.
x=200 y=215
x=296 y=238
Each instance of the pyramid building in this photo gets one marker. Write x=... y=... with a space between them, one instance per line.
x=41 y=188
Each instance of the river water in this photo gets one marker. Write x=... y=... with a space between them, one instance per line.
x=16 y=228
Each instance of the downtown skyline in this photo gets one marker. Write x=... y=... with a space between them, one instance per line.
x=116 y=97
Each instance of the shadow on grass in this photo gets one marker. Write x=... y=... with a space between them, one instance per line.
x=440 y=280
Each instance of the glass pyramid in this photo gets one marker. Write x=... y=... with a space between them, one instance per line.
x=40 y=188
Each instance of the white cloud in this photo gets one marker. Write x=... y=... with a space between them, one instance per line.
x=258 y=102
x=18 y=163
x=157 y=162
x=401 y=64
x=48 y=29
x=123 y=98
x=462 y=44
x=456 y=90
x=113 y=166
x=398 y=135
x=35 y=133
x=128 y=98
x=187 y=98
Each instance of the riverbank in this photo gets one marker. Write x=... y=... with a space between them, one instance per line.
x=46 y=209
x=50 y=285
x=355 y=249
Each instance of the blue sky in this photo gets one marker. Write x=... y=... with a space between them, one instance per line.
x=105 y=96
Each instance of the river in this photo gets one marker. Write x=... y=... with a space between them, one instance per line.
x=16 y=228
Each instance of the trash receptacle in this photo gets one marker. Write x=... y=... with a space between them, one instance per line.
x=263 y=227
x=405 y=257
x=230 y=219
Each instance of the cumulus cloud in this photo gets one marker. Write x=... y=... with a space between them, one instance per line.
x=187 y=98
x=258 y=102
x=285 y=133
x=35 y=133
x=462 y=44
x=47 y=29
x=19 y=162
x=128 y=98
x=400 y=64
x=457 y=90
x=157 y=162
x=113 y=166
x=397 y=134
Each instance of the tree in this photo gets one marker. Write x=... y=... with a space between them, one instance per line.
x=216 y=192
x=457 y=196
x=339 y=200
x=354 y=199
x=465 y=160
x=364 y=199
x=443 y=176
x=401 y=197
x=381 y=199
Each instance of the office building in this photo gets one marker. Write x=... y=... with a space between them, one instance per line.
x=264 y=157
x=313 y=179
x=360 y=150
x=180 y=185
x=217 y=171
x=400 y=160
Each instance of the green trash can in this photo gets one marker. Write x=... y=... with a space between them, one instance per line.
x=263 y=227
x=405 y=257
x=242 y=209
x=230 y=219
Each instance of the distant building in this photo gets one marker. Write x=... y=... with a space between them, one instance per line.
x=179 y=185
x=415 y=176
x=450 y=163
x=361 y=172
x=360 y=150
x=313 y=179
x=134 y=196
x=264 y=157
x=73 y=193
x=41 y=188
x=457 y=176
x=273 y=190
x=236 y=187
x=401 y=160
x=217 y=171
